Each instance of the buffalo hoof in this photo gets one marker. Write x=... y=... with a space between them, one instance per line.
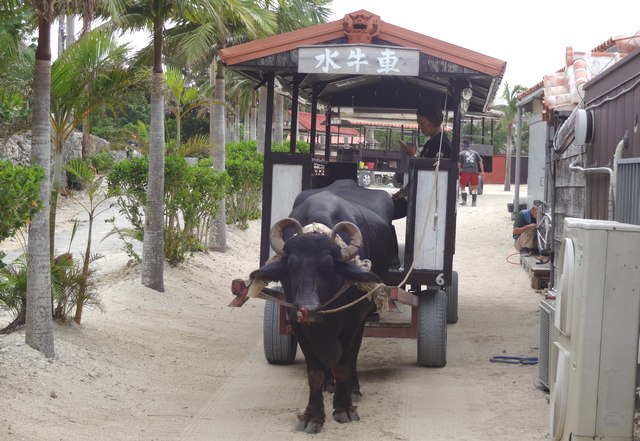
x=346 y=416
x=309 y=425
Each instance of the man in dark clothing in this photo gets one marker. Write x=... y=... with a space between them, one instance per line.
x=524 y=230
x=470 y=166
x=429 y=117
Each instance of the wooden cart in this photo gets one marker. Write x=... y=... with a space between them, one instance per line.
x=325 y=66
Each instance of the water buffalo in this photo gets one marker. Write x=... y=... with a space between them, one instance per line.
x=313 y=268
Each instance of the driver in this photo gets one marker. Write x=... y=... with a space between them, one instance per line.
x=429 y=117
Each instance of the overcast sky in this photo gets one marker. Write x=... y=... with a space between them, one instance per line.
x=531 y=36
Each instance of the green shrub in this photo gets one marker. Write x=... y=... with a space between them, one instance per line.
x=301 y=147
x=245 y=167
x=191 y=198
x=102 y=162
x=19 y=197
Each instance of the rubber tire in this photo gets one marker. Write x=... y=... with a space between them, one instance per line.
x=278 y=348
x=432 y=329
x=452 y=299
x=398 y=179
x=365 y=178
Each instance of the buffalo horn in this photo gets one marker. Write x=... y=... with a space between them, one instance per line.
x=355 y=239
x=277 y=231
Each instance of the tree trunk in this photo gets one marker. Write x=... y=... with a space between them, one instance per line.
x=236 y=124
x=278 y=123
x=39 y=322
x=61 y=33
x=262 y=119
x=56 y=185
x=87 y=145
x=71 y=30
x=253 y=116
x=84 y=277
x=218 y=228
x=507 y=172
x=153 y=242
x=247 y=126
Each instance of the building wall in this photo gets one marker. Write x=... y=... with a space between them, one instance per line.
x=496 y=176
x=537 y=158
x=613 y=98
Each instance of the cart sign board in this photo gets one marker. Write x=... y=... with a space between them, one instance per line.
x=358 y=60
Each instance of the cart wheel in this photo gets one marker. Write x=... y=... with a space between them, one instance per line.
x=365 y=178
x=432 y=329
x=398 y=179
x=278 y=348
x=452 y=299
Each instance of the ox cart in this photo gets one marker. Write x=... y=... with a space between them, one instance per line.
x=361 y=62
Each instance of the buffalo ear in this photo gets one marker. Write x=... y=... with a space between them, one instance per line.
x=271 y=271
x=355 y=273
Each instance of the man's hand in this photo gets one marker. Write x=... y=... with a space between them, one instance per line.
x=409 y=149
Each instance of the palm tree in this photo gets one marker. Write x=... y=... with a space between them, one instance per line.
x=181 y=99
x=509 y=109
x=152 y=15
x=39 y=321
x=90 y=73
x=225 y=22
x=290 y=15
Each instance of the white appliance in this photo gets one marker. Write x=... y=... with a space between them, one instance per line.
x=597 y=315
x=546 y=342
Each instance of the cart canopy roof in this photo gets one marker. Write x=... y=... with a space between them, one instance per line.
x=362 y=62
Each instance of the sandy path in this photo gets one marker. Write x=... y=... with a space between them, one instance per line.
x=182 y=366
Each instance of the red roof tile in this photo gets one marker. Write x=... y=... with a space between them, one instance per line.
x=304 y=119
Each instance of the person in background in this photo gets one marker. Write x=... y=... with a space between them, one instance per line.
x=470 y=167
x=429 y=117
x=524 y=231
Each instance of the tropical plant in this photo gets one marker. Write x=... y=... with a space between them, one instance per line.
x=197 y=43
x=510 y=110
x=90 y=73
x=93 y=188
x=181 y=99
x=152 y=15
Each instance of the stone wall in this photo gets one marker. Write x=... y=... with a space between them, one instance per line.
x=17 y=148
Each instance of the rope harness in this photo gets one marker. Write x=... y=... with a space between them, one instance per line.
x=377 y=293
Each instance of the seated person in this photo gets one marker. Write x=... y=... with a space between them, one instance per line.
x=524 y=230
x=429 y=117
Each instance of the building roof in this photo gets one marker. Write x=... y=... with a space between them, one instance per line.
x=443 y=69
x=562 y=90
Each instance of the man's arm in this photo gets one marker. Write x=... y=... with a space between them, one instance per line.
x=519 y=230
